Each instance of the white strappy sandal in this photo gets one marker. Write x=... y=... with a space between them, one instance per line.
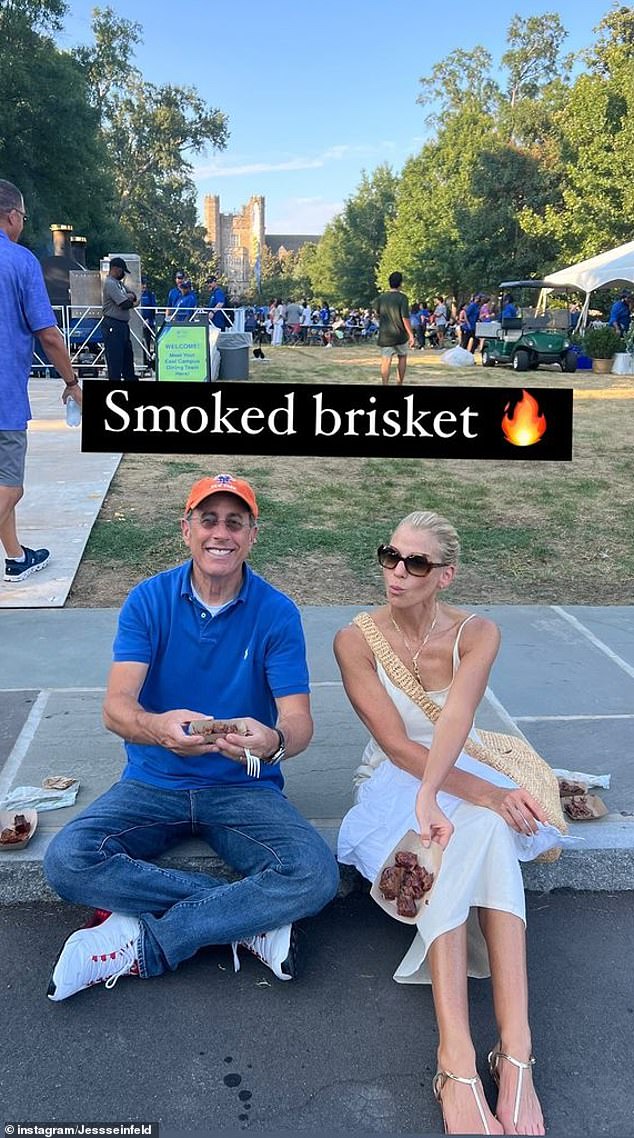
x=438 y=1083
x=493 y=1058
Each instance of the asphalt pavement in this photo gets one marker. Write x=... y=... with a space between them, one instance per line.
x=343 y=1049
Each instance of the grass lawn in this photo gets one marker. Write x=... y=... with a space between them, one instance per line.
x=531 y=532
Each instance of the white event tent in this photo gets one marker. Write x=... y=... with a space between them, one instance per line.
x=614 y=269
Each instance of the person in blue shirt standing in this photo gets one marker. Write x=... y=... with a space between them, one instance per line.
x=25 y=310
x=186 y=303
x=174 y=293
x=208 y=640
x=217 y=301
x=472 y=311
x=620 y=314
x=147 y=312
x=414 y=319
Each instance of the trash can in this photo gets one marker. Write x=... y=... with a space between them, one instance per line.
x=234 y=350
x=584 y=363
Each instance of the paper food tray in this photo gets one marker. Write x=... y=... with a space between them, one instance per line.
x=7 y=821
x=596 y=806
x=430 y=859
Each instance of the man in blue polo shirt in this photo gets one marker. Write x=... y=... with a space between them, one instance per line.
x=208 y=639
x=25 y=310
x=216 y=303
x=186 y=304
x=175 y=292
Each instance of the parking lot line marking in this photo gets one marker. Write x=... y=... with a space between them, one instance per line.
x=54 y=691
x=23 y=742
x=504 y=714
x=568 y=718
x=616 y=659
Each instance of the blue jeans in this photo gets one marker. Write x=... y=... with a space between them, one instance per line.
x=103 y=859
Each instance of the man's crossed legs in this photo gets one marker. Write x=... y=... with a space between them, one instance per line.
x=162 y=916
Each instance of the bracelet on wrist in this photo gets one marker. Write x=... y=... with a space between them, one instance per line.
x=280 y=753
x=72 y=383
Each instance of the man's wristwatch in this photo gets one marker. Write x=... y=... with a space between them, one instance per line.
x=280 y=754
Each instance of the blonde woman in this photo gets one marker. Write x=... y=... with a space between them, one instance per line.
x=417 y=775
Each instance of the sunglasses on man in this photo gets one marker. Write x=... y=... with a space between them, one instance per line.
x=416 y=564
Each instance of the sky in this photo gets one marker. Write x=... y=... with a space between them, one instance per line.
x=314 y=94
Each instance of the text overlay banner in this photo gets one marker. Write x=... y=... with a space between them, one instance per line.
x=345 y=420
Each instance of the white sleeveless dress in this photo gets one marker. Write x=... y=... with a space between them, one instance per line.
x=481 y=862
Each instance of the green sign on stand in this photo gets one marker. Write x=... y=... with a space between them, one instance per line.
x=183 y=353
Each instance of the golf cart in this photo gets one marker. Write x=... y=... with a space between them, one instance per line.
x=527 y=339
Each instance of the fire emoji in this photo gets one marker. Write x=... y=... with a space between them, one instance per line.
x=525 y=425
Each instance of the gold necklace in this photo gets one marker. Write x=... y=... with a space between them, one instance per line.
x=422 y=644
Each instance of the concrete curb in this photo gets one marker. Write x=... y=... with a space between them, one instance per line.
x=606 y=866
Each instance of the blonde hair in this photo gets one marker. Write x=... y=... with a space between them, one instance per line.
x=443 y=531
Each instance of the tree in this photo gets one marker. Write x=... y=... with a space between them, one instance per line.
x=494 y=162
x=304 y=269
x=461 y=81
x=505 y=180
x=108 y=63
x=426 y=241
x=50 y=141
x=38 y=15
x=151 y=132
x=614 y=45
x=346 y=260
x=272 y=283
x=534 y=56
x=286 y=275
x=457 y=228
x=596 y=129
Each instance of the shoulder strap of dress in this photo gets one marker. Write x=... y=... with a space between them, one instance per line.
x=456 y=655
x=394 y=667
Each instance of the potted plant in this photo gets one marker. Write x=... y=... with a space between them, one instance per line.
x=602 y=344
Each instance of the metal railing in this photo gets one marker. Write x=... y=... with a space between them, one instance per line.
x=81 y=327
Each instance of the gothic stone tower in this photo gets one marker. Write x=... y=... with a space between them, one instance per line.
x=237 y=238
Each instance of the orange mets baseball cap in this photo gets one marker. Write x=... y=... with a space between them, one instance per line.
x=222 y=484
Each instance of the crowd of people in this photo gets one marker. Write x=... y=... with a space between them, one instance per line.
x=302 y=322
x=436 y=324
x=445 y=321
x=400 y=326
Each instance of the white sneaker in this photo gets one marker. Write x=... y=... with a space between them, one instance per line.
x=96 y=955
x=277 y=949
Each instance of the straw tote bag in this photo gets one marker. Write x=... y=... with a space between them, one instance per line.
x=507 y=754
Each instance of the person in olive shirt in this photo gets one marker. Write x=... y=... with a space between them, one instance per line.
x=395 y=330
x=117 y=302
